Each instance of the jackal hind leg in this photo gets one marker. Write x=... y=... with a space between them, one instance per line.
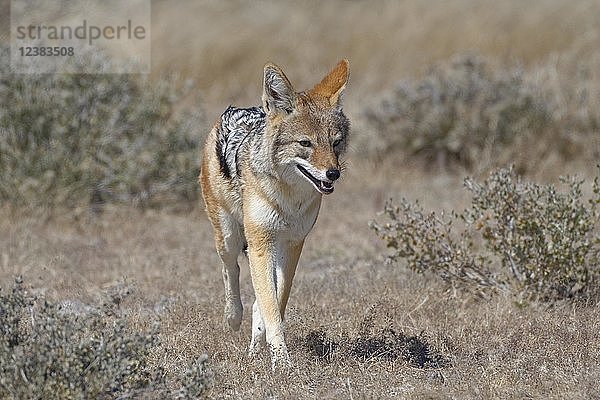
x=228 y=250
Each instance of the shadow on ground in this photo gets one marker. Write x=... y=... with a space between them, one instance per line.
x=384 y=345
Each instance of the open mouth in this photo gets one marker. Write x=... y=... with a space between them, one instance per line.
x=324 y=187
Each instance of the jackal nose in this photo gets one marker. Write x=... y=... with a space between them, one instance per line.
x=333 y=174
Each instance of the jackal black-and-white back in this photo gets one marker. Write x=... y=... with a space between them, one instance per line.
x=238 y=126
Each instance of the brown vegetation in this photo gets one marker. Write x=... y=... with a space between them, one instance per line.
x=357 y=327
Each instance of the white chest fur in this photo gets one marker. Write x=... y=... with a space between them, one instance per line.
x=291 y=215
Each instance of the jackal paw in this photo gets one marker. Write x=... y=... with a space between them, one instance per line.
x=233 y=314
x=280 y=359
x=256 y=346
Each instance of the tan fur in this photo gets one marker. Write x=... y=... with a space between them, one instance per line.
x=272 y=204
x=333 y=84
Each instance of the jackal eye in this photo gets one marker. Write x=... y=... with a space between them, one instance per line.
x=305 y=143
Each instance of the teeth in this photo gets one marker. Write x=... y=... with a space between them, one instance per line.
x=325 y=187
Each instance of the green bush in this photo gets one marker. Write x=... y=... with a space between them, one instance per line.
x=541 y=241
x=47 y=352
x=72 y=139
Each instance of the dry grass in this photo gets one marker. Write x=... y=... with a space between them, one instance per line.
x=223 y=46
x=552 y=43
x=356 y=327
x=344 y=299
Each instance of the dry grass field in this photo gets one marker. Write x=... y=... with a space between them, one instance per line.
x=357 y=327
x=222 y=46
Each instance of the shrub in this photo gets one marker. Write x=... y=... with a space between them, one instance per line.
x=457 y=111
x=548 y=240
x=544 y=242
x=195 y=380
x=71 y=139
x=46 y=352
x=571 y=86
x=426 y=241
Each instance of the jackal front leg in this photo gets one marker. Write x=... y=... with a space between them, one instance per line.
x=264 y=257
x=286 y=260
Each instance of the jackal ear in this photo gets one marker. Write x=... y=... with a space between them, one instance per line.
x=278 y=94
x=333 y=85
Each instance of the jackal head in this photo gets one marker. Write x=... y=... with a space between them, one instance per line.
x=308 y=130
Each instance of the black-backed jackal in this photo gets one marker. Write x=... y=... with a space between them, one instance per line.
x=264 y=171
